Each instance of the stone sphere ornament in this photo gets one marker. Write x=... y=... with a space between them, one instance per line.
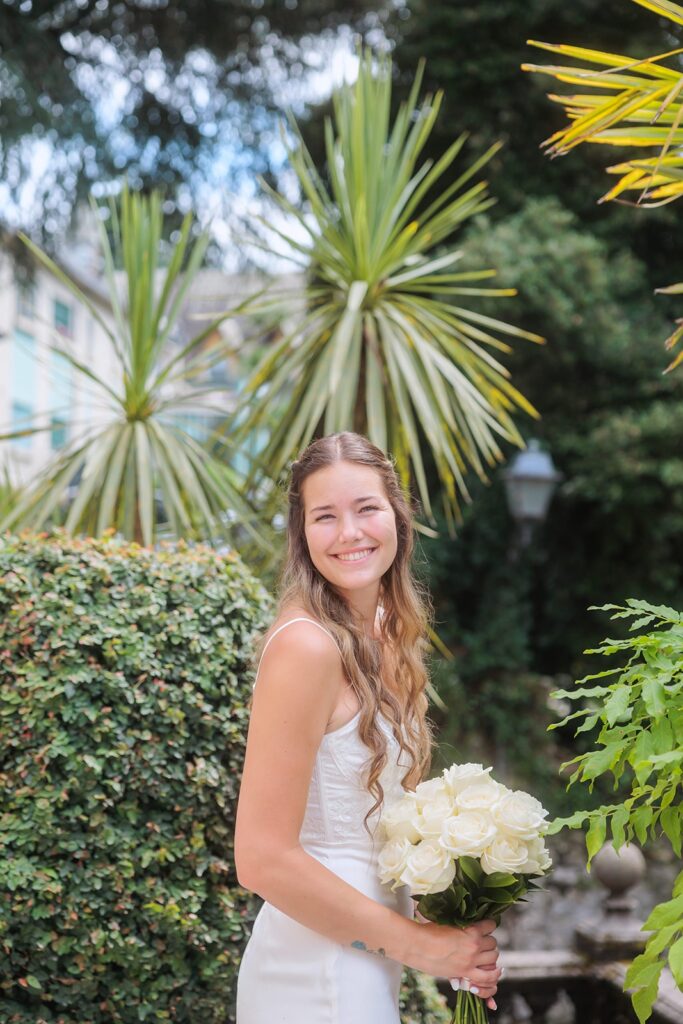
x=619 y=871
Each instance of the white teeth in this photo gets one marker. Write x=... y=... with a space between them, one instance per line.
x=355 y=556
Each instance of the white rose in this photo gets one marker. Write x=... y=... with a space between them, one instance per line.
x=538 y=861
x=432 y=789
x=504 y=854
x=429 y=868
x=468 y=834
x=458 y=776
x=392 y=859
x=399 y=820
x=480 y=796
x=432 y=816
x=519 y=815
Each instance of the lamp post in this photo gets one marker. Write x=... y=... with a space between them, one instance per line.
x=530 y=482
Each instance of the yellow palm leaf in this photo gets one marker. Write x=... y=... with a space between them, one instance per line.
x=637 y=103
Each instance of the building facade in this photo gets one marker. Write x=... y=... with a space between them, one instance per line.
x=39 y=320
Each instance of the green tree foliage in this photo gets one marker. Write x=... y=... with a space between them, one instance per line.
x=612 y=423
x=637 y=708
x=156 y=90
x=608 y=416
x=124 y=681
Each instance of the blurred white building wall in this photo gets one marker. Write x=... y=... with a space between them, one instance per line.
x=38 y=386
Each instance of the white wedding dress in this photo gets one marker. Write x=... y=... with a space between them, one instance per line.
x=290 y=974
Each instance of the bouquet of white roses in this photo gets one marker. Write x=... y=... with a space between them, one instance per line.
x=467 y=847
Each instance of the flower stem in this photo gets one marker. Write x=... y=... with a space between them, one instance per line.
x=469 y=1009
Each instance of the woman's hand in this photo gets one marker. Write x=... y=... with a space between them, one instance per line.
x=447 y=952
x=480 y=953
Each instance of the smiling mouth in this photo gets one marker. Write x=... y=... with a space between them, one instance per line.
x=355 y=556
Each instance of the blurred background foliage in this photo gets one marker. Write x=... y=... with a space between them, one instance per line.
x=516 y=621
x=171 y=94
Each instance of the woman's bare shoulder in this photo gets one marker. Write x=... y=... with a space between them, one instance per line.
x=304 y=633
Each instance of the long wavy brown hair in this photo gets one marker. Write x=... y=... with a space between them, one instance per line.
x=401 y=646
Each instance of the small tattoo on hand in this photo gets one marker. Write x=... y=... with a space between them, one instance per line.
x=357 y=944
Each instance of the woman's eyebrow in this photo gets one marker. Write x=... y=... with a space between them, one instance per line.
x=357 y=501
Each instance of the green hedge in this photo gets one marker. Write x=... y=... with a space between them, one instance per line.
x=124 y=677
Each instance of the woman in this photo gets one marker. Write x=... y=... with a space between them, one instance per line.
x=338 y=724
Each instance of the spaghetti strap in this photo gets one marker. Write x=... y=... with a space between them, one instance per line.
x=299 y=618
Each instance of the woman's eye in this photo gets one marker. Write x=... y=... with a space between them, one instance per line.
x=327 y=515
x=370 y=508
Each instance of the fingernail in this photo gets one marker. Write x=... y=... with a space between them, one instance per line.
x=474 y=990
x=455 y=984
x=493 y=1004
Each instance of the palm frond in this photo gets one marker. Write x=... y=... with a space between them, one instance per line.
x=636 y=104
x=377 y=348
x=138 y=472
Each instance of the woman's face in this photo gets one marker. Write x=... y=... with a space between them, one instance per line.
x=350 y=527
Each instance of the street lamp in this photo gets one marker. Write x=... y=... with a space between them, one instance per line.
x=530 y=483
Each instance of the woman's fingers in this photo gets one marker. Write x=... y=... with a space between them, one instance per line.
x=486 y=981
x=483 y=993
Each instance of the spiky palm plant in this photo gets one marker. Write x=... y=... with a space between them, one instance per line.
x=632 y=103
x=134 y=454
x=385 y=341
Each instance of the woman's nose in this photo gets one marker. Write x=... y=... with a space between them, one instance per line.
x=349 y=528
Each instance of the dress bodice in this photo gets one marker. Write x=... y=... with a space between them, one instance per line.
x=337 y=798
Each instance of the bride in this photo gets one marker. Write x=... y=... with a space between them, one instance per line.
x=338 y=724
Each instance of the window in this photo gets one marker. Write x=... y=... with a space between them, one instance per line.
x=23 y=383
x=59 y=432
x=60 y=398
x=22 y=417
x=26 y=301
x=63 y=318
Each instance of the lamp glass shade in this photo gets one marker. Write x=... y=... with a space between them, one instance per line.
x=529 y=484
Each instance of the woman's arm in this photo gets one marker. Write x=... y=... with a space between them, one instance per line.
x=304 y=889
x=298 y=686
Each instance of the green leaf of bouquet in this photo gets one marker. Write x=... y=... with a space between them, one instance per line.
x=458 y=903
x=498 y=880
x=471 y=869
x=435 y=906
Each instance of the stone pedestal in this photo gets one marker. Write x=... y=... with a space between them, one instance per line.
x=616 y=932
